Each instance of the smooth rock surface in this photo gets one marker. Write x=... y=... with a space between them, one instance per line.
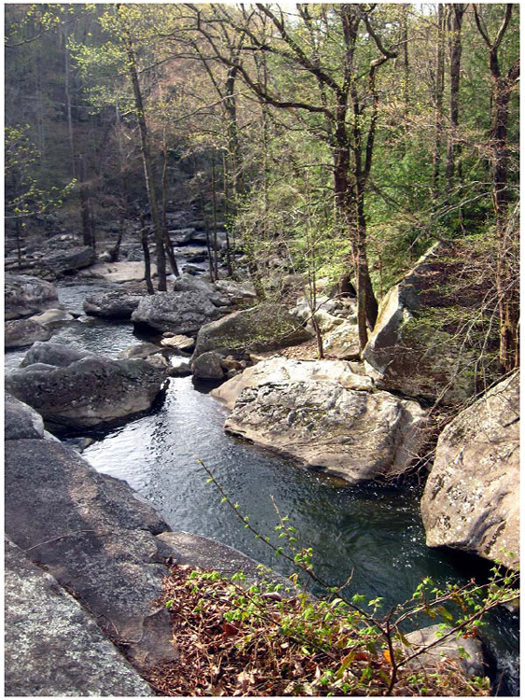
x=22 y=332
x=21 y=421
x=53 y=647
x=471 y=498
x=263 y=327
x=25 y=296
x=179 y=342
x=465 y=654
x=179 y=312
x=94 y=537
x=56 y=354
x=91 y=392
x=116 y=303
x=280 y=369
x=356 y=435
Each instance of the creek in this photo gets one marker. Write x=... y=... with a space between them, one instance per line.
x=373 y=532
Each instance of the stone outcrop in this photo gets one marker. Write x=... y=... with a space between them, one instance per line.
x=280 y=369
x=116 y=303
x=22 y=332
x=87 y=393
x=412 y=348
x=26 y=296
x=179 y=312
x=471 y=498
x=260 y=328
x=356 y=435
x=53 y=647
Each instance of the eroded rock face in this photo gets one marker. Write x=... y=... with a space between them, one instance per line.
x=25 y=296
x=117 y=303
x=263 y=327
x=90 y=392
x=53 y=647
x=92 y=534
x=179 y=312
x=471 y=498
x=280 y=369
x=407 y=350
x=357 y=435
x=22 y=332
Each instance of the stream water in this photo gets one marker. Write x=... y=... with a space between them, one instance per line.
x=374 y=532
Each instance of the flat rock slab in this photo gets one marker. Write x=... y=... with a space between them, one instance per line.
x=95 y=538
x=471 y=499
x=356 y=435
x=119 y=271
x=53 y=647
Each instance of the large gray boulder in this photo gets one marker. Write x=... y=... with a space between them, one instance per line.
x=471 y=498
x=70 y=260
x=416 y=346
x=91 y=392
x=22 y=332
x=208 y=366
x=98 y=540
x=179 y=312
x=21 y=421
x=260 y=328
x=280 y=369
x=356 y=435
x=56 y=354
x=116 y=303
x=52 y=646
x=25 y=296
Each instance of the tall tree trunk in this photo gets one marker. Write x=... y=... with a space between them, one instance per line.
x=438 y=97
x=146 y=159
x=453 y=147
x=167 y=240
x=147 y=260
x=87 y=237
x=67 y=90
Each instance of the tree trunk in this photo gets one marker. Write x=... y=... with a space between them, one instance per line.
x=453 y=147
x=87 y=237
x=147 y=259
x=438 y=96
x=167 y=239
x=146 y=159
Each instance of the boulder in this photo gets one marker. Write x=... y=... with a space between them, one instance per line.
x=179 y=367
x=52 y=316
x=25 y=296
x=471 y=498
x=21 y=421
x=178 y=312
x=416 y=346
x=464 y=654
x=178 y=342
x=70 y=260
x=116 y=303
x=207 y=366
x=119 y=272
x=281 y=369
x=98 y=540
x=139 y=352
x=52 y=646
x=342 y=342
x=260 y=328
x=356 y=435
x=23 y=331
x=55 y=354
x=91 y=392
x=238 y=292
x=190 y=283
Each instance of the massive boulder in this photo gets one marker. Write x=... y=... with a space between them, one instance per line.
x=95 y=537
x=21 y=421
x=88 y=393
x=53 y=647
x=356 y=435
x=116 y=303
x=56 y=354
x=416 y=346
x=24 y=331
x=179 y=312
x=471 y=499
x=280 y=369
x=264 y=327
x=25 y=296
x=70 y=260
